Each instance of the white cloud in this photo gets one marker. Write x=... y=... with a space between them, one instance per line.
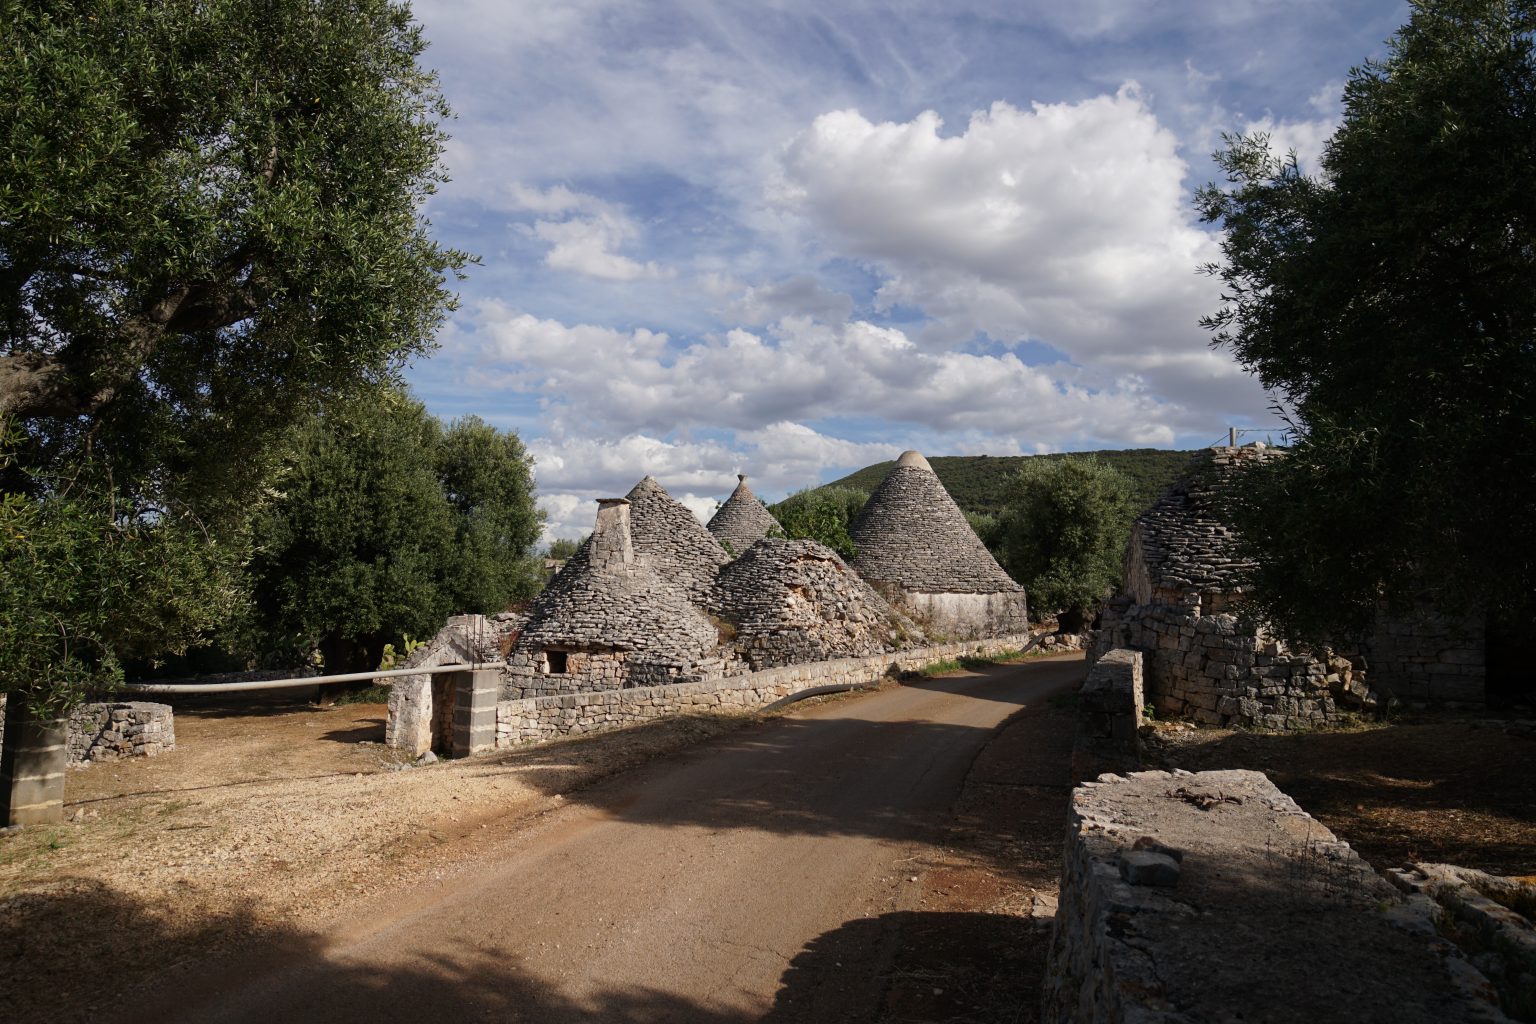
x=587 y=240
x=800 y=295
x=1064 y=223
x=596 y=381
x=573 y=472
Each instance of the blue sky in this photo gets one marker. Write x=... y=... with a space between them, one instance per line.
x=791 y=239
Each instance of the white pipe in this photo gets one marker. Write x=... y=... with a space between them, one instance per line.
x=280 y=684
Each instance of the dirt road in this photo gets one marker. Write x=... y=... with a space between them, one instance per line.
x=679 y=892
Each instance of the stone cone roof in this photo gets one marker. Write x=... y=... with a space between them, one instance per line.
x=794 y=601
x=610 y=598
x=673 y=541
x=742 y=521
x=1185 y=539
x=912 y=534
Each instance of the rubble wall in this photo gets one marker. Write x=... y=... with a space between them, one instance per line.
x=1213 y=896
x=109 y=732
x=1109 y=716
x=532 y=719
x=1214 y=670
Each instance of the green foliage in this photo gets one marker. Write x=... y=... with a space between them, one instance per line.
x=822 y=515
x=1388 y=302
x=564 y=547
x=383 y=525
x=978 y=483
x=209 y=227
x=1063 y=532
x=84 y=584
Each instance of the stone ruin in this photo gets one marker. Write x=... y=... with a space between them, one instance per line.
x=916 y=547
x=793 y=601
x=1182 y=588
x=742 y=520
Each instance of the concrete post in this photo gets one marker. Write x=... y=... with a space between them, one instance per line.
x=32 y=762
x=474 y=710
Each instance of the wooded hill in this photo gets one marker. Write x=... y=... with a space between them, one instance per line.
x=976 y=481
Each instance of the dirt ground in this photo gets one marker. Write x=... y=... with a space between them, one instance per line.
x=271 y=817
x=267 y=816
x=1454 y=789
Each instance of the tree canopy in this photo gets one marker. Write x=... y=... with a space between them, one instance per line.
x=821 y=514
x=384 y=523
x=1063 y=530
x=1387 y=301
x=209 y=227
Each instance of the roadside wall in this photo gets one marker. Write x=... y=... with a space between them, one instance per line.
x=532 y=719
x=1109 y=716
x=1213 y=896
x=1216 y=671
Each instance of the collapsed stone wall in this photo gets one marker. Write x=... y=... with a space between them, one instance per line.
x=1217 y=671
x=1213 y=896
x=531 y=720
x=111 y=731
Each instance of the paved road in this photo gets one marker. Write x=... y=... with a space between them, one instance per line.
x=678 y=892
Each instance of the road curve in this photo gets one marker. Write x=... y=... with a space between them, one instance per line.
x=680 y=891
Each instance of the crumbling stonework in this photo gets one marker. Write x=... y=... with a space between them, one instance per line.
x=108 y=732
x=674 y=543
x=916 y=547
x=792 y=601
x=1213 y=897
x=742 y=521
x=610 y=619
x=1217 y=671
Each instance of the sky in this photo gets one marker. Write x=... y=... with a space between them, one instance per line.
x=790 y=239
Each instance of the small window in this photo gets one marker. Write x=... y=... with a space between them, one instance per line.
x=556 y=662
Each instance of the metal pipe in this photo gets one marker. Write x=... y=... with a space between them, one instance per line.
x=281 y=684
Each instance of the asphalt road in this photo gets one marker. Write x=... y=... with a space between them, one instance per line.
x=693 y=889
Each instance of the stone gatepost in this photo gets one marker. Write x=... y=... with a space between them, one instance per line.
x=475 y=693
x=32 y=762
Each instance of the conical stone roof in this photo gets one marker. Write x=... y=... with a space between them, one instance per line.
x=795 y=601
x=1186 y=539
x=912 y=534
x=608 y=596
x=742 y=521
x=673 y=541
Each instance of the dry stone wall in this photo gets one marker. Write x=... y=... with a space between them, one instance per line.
x=1427 y=657
x=1216 y=671
x=1214 y=897
x=1109 y=716
x=532 y=720
x=108 y=732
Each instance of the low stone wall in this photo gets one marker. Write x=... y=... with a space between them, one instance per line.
x=1212 y=896
x=1429 y=658
x=107 y=732
x=1109 y=716
x=532 y=719
x=961 y=614
x=1214 y=670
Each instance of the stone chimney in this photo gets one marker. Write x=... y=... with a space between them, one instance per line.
x=612 y=547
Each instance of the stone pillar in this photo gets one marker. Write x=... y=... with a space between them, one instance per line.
x=474 y=710
x=32 y=763
x=611 y=547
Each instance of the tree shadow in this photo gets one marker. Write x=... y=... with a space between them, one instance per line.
x=373 y=732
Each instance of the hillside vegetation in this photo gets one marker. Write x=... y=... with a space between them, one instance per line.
x=976 y=482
